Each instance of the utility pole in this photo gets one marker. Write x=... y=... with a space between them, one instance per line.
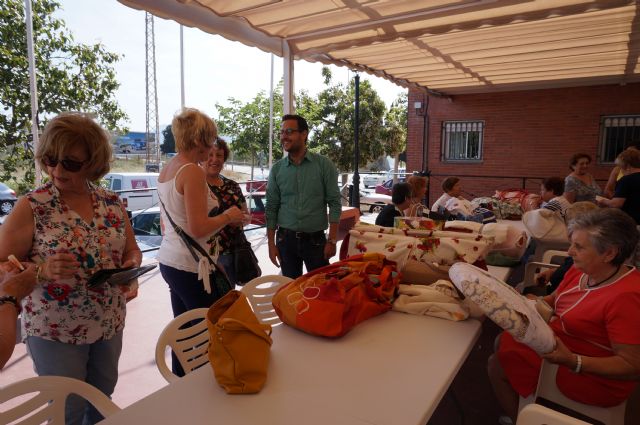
x=153 y=127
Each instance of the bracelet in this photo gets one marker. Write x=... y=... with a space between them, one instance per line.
x=578 y=364
x=38 y=272
x=10 y=299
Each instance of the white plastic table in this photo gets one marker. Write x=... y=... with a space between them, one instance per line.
x=392 y=369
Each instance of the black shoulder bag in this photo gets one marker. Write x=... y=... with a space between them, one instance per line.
x=245 y=262
x=220 y=281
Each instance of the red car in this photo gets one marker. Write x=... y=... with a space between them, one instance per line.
x=385 y=188
x=255 y=204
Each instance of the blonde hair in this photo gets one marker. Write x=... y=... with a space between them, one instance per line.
x=416 y=183
x=70 y=129
x=192 y=128
x=628 y=158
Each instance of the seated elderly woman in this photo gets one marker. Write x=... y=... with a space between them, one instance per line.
x=596 y=321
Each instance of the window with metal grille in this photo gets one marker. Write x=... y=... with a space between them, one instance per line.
x=462 y=140
x=616 y=134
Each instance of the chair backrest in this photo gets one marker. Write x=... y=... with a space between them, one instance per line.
x=190 y=344
x=554 y=256
x=548 y=389
x=259 y=292
x=46 y=400
x=535 y=414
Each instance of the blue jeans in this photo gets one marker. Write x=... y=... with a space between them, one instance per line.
x=296 y=248
x=95 y=363
x=226 y=262
x=187 y=293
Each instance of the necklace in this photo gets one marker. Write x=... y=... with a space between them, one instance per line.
x=603 y=281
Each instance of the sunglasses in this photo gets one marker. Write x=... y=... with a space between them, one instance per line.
x=288 y=131
x=67 y=164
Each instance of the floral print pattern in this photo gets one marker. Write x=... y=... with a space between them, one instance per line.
x=67 y=310
x=229 y=195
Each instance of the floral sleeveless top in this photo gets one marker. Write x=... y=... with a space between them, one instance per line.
x=67 y=310
x=229 y=195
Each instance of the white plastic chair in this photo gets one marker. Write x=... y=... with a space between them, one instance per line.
x=548 y=390
x=535 y=414
x=259 y=292
x=190 y=345
x=550 y=260
x=47 y=397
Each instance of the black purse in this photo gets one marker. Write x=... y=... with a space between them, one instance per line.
x=220 y=282
x=245 y=262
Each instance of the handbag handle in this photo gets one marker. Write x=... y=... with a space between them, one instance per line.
x=263 y=331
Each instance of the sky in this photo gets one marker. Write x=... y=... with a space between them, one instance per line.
x=215 y=68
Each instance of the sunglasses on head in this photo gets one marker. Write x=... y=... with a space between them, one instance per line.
x=67 y=164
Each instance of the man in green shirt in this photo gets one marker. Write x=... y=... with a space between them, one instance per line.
x=301 y=186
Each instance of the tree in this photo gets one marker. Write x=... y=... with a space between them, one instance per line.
x=169 y=144
x=69 y=76
x=248 y=124
x=333 y=119
x=395 y=128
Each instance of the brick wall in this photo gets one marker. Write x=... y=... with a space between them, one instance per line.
x=526 y=133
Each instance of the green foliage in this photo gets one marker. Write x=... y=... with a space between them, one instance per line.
x=70 y=76
x=169 y=144
x=248 y=124
x=333 y=120
x=330 y=115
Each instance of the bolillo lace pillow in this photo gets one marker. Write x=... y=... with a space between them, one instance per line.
x=504 y=306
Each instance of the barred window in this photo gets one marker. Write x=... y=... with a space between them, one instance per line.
x=462 y=140
x=616 y=134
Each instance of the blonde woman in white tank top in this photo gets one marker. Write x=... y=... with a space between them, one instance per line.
x=183 y=189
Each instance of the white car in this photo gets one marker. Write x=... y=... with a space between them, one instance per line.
x=373 y=202
x=372 y=180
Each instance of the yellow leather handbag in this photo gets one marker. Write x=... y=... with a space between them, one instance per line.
x=239 y=345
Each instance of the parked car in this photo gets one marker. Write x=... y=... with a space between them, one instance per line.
x=373 y=202
x=7 y=199
x=255 y=203
x=373 y=180
x=385 y=188
x=140 y=198
x=146 y=226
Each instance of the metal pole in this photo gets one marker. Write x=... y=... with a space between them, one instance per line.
x=355 y=198
x=33 y=88
x=181 y=67
x=271 y=116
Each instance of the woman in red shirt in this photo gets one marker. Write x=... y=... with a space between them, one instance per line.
x=595 y=320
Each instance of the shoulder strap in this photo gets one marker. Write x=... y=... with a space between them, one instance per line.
x=191 y=244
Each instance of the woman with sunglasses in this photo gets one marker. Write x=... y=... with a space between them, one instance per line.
x=71 y=228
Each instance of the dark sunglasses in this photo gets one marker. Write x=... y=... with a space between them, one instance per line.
x=67 y=164
x=288 y=131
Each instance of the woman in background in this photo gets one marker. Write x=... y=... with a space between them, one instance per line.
x=229 y=194
x=580 y=185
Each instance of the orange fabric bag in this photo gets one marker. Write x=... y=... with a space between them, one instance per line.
x=331 y=300
x=239 y=345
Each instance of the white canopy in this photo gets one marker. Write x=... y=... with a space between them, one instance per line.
x=448 y=46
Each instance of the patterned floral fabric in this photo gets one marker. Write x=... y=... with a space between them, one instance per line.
x=429 y=246
x=66 y=310
x=229 y=195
